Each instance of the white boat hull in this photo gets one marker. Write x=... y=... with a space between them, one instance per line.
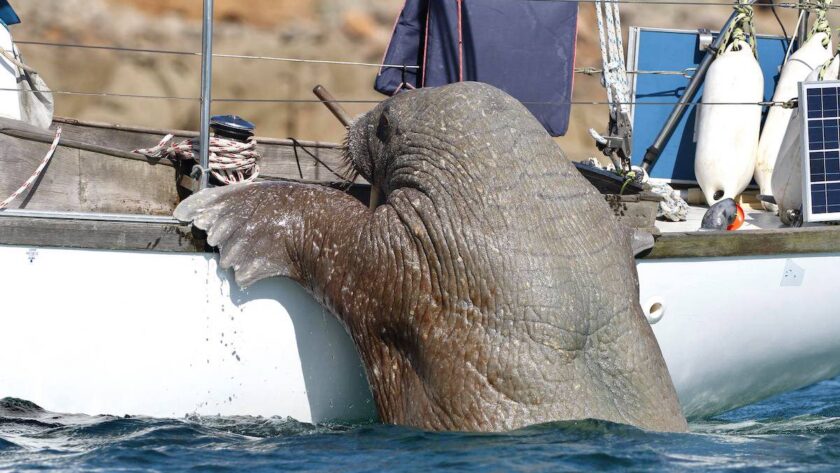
x=736 y=331
x=166 y=335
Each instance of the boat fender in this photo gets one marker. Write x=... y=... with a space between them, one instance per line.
x=727 y=135
x=787 y=174
x=815 y=52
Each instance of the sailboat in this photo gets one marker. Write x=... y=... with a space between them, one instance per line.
x=111 y=306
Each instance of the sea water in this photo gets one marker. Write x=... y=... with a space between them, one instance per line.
x=798 y=431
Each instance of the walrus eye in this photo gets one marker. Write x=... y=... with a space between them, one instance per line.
x=383 y=130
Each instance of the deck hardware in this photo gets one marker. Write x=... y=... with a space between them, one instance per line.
x=232 y=127
x=617 y=143
x=705 y=39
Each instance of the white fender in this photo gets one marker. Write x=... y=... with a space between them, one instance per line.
x=727 y=135
x=810 y=56
x=787 y=175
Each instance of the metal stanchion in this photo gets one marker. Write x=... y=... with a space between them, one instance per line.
x=206 y=92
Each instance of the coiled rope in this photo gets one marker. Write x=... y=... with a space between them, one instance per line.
x=821 y=24
x=827 y=64
x=231 y=161
x=822 y=21
x=741 y=30
x=34 y=177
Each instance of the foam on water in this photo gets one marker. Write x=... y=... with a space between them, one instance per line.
x=797 y=431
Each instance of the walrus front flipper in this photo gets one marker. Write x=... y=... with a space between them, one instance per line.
x=641 y=241
x=268 y=229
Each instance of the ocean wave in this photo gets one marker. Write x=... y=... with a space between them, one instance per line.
x=6 y=446
x=800 y=430
x=800 y=425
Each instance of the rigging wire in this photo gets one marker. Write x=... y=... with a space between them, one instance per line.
x=583 y=70
x=792 y=5
x=354 y=101
x=587 y=71
x=215 y=55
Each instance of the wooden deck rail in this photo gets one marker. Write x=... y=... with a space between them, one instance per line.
x=172 y=237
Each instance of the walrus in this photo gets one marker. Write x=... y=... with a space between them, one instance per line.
x=492 y=290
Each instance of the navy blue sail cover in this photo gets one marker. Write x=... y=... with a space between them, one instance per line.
x=406 y=49
x=7 y=13
x=524 y=47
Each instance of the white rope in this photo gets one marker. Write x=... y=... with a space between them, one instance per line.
x=612 y=56
x=617 y=53
x=36 y=174
x=794 y=37
x=741 y=30
x=821 y=24
x=230 y=161
x=605 y=57
x=10 y=56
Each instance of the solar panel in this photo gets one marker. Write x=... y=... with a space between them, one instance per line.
x=820 y=102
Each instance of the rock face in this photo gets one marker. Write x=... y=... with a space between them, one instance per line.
x=356 y=30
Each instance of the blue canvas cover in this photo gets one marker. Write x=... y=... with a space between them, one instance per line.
x=406 y=49
x=7 y=13
x=672 y=50
x=526 y=48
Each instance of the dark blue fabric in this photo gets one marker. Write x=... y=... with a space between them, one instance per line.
x=524 y=47
x=406 y=48
x=7 y=13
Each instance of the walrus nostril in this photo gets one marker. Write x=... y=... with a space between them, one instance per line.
x=718 y=195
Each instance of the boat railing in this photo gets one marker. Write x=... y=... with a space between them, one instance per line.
x=206 y=99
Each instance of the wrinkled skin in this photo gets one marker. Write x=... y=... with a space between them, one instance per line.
x=493 y=290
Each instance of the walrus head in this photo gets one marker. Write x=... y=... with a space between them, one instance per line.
x=492 y=290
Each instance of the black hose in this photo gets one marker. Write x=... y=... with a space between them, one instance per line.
x=781 y=24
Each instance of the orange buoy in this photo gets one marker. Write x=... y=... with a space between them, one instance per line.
x=739 y=219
